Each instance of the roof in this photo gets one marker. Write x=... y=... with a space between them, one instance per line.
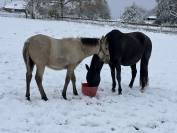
x=16 y=5
x=153 y=17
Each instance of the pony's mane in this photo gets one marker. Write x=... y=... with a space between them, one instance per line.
x=90 y=41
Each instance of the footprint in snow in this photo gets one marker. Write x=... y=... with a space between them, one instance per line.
x=2 y=95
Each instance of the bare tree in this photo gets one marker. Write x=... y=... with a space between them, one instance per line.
x=33 y=7
x=134 y=14
x=92 y=9
x=167 y=11
x=62 y=4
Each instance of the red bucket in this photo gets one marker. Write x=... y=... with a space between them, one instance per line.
x=89 y=91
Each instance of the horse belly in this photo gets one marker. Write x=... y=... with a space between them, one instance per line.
x=131 y=55
x=130 y=60
x=58 y=64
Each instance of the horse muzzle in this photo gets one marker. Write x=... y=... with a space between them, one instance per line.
x=106 y=59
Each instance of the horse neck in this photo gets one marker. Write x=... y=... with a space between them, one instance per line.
x=96 y=63
x=91 y=50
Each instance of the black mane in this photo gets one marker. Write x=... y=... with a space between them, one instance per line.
x=89 y=41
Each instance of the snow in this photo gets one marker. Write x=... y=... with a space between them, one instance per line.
x=3 y=2
x=133 y=112
x=12 y=14
x=16 y=5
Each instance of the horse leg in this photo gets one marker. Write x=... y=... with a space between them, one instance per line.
x=118 y=69
x=30 y=66
x=134 y=72
x=112 y=68
x=73 y=79
x=67 y=80
x=39 y=77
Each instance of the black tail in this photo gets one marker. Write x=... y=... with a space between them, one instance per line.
x=28 y=61
x=25 y=53
x=144 y=63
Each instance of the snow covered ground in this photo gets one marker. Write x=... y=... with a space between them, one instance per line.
x=133 y=112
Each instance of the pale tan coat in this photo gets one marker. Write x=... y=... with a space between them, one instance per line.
x=67 y=53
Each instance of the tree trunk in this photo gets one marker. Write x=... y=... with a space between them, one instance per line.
x=62 y=8
x=80 y=8
x=33 y=10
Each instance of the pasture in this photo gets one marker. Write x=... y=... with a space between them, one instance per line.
x=153 y=111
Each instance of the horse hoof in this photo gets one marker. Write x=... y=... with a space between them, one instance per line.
x=64 y=96
x=142 y=90
x=120 y=93
x=131 y=86
x=113 y=90
x=44 y=98
x=28 y=98
x=75 y=93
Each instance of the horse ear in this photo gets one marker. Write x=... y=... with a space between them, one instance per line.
x=87 y=67
x=102 y=39
x=105 y=38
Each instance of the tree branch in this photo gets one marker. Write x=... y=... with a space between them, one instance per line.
x=68 y=1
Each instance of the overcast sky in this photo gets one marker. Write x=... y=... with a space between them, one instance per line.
x=117 y=6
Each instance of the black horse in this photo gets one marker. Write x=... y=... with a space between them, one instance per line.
x=125 y=49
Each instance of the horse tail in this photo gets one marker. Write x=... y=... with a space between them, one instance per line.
x=144 y=63
x=26 y=56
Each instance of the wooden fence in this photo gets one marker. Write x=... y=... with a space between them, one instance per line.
x=116 y=23
x=119 y=23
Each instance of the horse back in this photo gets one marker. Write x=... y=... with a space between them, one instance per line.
x=135 y=45
x=132 y=50
x=126 y=48
x=54 y=53
x=139 y=36
x=68 y=48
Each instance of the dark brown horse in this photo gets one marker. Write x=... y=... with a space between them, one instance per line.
x=67 y=53
x=125 y=49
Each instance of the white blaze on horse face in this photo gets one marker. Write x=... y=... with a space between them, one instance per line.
x=104 y=50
